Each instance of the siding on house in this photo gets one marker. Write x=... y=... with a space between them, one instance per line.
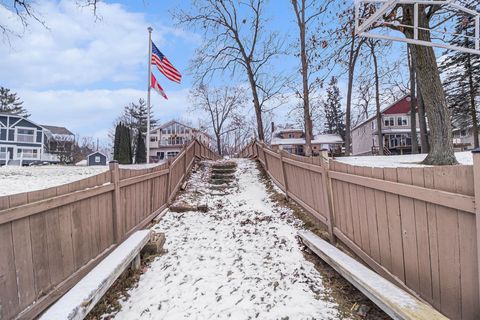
x=167 y=140
x=396 y=130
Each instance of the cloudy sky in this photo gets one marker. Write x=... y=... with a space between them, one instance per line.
x=80 y=70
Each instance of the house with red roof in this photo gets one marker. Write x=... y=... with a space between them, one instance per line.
x=396 y=131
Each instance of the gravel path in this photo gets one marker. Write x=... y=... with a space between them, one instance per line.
x=240 y=260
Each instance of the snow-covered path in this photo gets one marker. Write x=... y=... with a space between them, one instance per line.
x=240 y=260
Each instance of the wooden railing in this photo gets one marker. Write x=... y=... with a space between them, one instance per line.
x=415 y=226
x=49 y=239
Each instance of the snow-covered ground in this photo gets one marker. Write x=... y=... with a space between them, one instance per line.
x=15 y=179
x=410 y=160
x=240 y=260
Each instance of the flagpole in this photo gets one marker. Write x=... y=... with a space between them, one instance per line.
x=149 y=87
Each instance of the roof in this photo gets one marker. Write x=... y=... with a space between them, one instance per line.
x=58 y=130
x=96 y=152
x=166 y=124
x=318 y=139
x=398 y=107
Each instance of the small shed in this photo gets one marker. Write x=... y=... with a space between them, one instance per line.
x=97 y=159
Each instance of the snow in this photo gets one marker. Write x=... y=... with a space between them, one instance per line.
x=15 y=179
x=410 y=160
x=73 y=304
x=240 y=260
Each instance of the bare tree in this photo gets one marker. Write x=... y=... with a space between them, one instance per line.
x=428 y=76
x=372 y=44
x=306 y=14
x=221 y=104
x=413 y=101
x=236 y=41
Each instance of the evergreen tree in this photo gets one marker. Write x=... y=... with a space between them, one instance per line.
x=10 y=103
x=141 y=151
x=122 y=145
x=334 y=115
x=135 y=117
x=461 y=72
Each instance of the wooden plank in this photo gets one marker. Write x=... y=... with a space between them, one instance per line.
x=409 y=233
x=22 y=245
x=444 y=198
x=26 y=210
x=433 y=239
x=371 y=212
x=395 y=227
x=422 y=234
x=382 y=221
x=362 y=213
x=8 y=285
x=448 y=247
x=66 y=245
x=76 y=303
x=396 y=302
x=468 y=248
x=357 y=230
x=308 y=166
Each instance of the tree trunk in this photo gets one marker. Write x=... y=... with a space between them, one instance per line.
x=219 y=145
x=354 y=51
x=473 y=110
x=422 y=122
x=256 y=103
x=377 y=99
x=300 y=15
x=413 y=103
x=428 y=75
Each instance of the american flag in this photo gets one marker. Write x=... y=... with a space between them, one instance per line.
x=164 y=66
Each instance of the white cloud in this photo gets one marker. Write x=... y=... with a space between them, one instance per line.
x=92 y=112
x=77 y=50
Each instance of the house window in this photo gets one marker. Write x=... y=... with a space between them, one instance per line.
x=389 y=122
x=27 y=153
x=153 y=139
x=3 y=153
x=373 y=125
x=402 y=121
x=25 y=135
x=463 y=133
x=164 y=131
x=97 y=159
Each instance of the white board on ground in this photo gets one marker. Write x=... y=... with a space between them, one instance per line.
x=79 y=300
x=397 y=303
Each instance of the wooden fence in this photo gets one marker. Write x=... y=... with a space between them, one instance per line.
x=49 y=239
x=415 y=226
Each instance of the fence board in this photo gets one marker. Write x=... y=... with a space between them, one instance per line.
x=8 y=283
x=383 y=224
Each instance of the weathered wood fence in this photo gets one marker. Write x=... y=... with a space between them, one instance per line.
x=415 y=226
x=49 y=239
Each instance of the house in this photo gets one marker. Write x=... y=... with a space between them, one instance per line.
x=22 y=141
x=96 y=159
x=292 y=140
x=396 y=131
x=463 y=138
x=167 y=140
x=60 y=140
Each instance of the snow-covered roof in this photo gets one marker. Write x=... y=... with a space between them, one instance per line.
x=318 y=139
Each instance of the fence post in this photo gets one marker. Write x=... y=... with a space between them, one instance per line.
x=327 y=195
x=476 y=182
x=184 y=161
x=265 y=156
x=117 y=207
x=284 y=173
x=167 y=189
